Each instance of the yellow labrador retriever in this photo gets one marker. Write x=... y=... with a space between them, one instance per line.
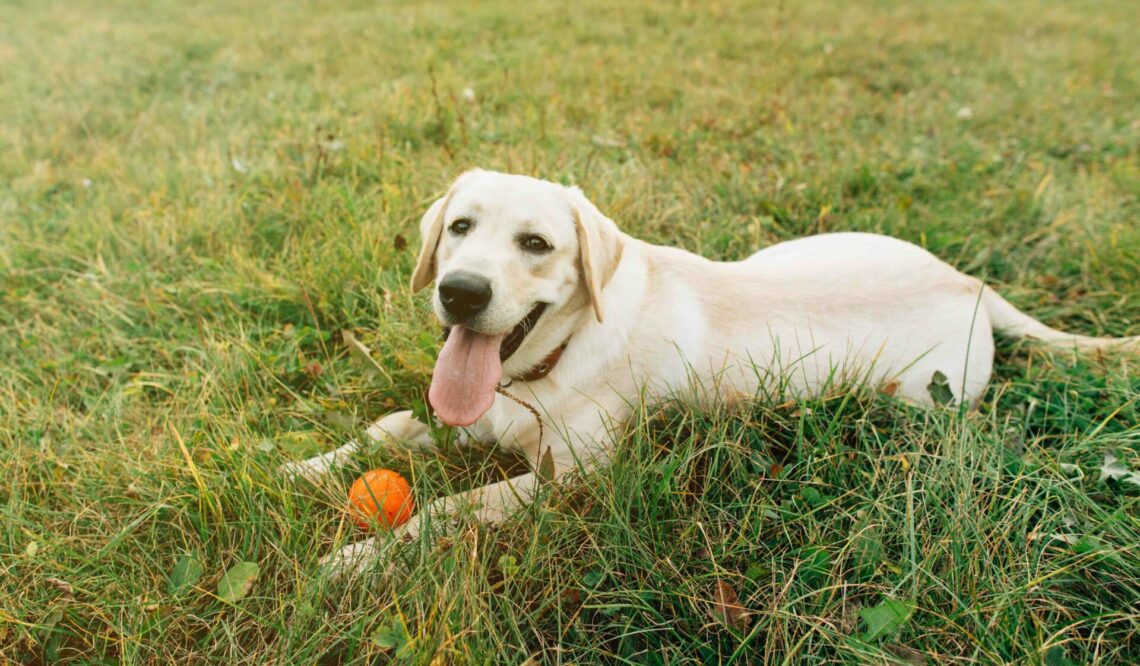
x=544 y=296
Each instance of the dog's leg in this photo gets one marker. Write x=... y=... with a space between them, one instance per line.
x=395 y=427
x=491 y=504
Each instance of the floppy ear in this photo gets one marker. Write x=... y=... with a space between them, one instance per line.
x=599 y=246
x=431 y=228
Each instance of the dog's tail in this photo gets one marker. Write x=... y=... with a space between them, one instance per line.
x=1015 y=323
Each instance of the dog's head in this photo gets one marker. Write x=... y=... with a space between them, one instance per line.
x=512 y=258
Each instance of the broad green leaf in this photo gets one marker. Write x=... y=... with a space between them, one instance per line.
x=1056 y=657
x=886 y=618
x=390 y=637
x=238 y=581
x=509 y=565
x=815 y=565
x=300 y=444
x=813 y=497
x=304 y=609
x=50 y=636
x=593 y=578
x=866 y=549
x=939 y=388
x=756 y=572
x=186 y=572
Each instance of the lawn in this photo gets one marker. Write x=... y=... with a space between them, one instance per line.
x=203 y=205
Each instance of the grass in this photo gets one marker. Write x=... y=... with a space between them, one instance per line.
x=197 y=200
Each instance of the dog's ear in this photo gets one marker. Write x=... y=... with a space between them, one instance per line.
x=431 y=228
x=599 y=246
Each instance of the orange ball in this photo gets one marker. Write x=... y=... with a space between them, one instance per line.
x=381 y=496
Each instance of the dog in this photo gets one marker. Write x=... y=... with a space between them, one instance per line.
x=550 y=307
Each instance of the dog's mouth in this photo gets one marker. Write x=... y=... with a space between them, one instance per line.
x=515 y=338
x=470 y=366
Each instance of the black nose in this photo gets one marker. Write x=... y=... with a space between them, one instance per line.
x=464 y=294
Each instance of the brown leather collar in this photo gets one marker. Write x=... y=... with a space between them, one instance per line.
x=543 y=369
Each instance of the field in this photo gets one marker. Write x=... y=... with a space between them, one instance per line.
x=202 y=206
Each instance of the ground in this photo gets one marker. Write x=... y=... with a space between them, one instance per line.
x=203 y=206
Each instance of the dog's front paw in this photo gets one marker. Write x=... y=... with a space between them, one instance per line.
x=352 y=559
x=311 y=469
x=356 y=558
x=400 y=427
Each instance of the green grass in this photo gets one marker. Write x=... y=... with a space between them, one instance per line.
x=196 y=201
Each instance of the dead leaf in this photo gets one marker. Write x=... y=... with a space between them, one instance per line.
x=607 y=142
x=546 y=468
x=62 y=585
x=906 y=654
x=1117 y=471
x=362 y=354
x=726 y=607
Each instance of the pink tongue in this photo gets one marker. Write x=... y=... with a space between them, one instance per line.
x=466 y=374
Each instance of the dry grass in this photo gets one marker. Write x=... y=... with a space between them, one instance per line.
x=196 y=199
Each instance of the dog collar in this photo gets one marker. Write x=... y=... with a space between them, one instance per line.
x=543 y=369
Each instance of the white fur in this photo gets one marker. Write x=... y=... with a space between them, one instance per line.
x=658 y=322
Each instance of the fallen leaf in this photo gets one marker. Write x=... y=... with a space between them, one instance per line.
x=62 y=585
x=607 y=142
x=362 y=354
x=726 y=607
x=815 y=564
x=393 y=637
x=906 y=654
x=1117 y=471
x=813 y=497
x=186 y=572
x=886 y=618
x=1072 y=470
x=939 y=388
x=299 y=444
x=593 y=578
x=509 y=565
x=388 y=637
x=866 y=549
x=546 y=468
x=1056 y=657
x=238 y=581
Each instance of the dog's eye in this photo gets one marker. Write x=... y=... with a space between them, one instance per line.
x=460 y=226
x=532 y=243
